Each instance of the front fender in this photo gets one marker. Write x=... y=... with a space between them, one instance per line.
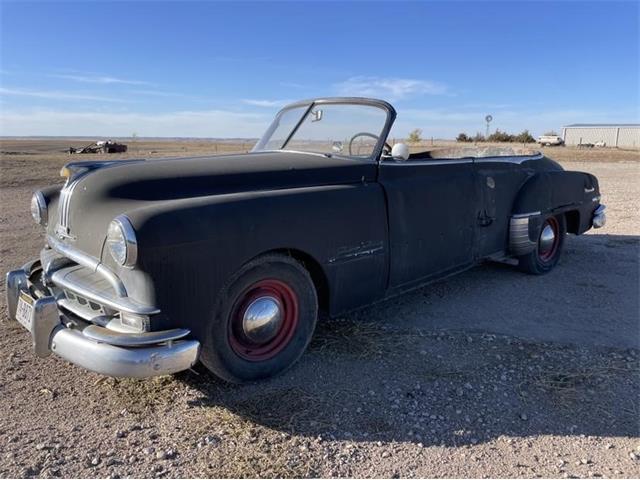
x=191 y=247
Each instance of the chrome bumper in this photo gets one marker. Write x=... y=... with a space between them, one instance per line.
x=97 y=348
x=599 y=217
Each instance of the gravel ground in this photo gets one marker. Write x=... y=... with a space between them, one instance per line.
x=489 y=374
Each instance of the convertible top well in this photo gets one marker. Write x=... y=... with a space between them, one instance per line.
x=475 y=152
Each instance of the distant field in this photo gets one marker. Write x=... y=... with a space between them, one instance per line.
x=56 y=149
x=137 y=148
x=37 y=161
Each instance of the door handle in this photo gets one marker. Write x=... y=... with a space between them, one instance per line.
x=484 y=220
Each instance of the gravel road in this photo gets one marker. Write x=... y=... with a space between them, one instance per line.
x=492 y=373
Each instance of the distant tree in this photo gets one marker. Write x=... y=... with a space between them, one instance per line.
x=551 y=133
x=415 y=136
x=524 y=137
x=500 y=136
x=463 y=137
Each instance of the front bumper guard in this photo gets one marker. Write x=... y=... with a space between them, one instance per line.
x=96 y=348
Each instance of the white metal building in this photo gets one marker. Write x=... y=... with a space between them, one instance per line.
x=622 y=135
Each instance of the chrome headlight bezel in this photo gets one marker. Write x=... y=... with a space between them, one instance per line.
x=39 y=211
x=121 y=241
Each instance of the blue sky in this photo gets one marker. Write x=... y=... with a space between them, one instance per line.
x=223 y=69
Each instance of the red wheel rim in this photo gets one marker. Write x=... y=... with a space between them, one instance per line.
x=547 y=249
x=275 y=292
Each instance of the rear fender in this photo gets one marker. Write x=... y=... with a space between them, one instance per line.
x=573 y=194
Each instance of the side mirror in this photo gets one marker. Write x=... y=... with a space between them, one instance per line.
x=400 y=152
x=316 y=115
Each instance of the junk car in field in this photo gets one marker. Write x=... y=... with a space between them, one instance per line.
x=101 y=146
x=151 y=266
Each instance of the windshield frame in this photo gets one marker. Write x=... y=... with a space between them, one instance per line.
x=309 y=104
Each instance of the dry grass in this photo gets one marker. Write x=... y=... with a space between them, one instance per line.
x=361 y=339
x=568 y=386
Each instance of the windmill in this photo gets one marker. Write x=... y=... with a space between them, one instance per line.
x=487 y=119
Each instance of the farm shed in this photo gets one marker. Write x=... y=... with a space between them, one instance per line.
x=622 y=135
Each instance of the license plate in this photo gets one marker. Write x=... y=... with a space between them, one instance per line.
x=24 y=311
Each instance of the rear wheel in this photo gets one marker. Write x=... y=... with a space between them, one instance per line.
x=548 y=247
x=264 y=321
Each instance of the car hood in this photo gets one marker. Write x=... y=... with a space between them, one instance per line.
x=100 y=191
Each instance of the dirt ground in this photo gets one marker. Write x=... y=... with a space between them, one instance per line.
x=492 y=373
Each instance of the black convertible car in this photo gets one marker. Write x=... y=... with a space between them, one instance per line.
x=151 y=266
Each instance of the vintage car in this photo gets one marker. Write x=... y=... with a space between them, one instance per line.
x=152 y=266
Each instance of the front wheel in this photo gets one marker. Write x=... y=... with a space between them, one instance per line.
x=548 y=247
x=264 y=320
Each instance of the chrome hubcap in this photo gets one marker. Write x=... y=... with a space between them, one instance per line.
x=262 y=319
x=547 y=239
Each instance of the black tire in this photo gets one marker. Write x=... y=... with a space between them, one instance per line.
x=228 y=353
x=539 y=261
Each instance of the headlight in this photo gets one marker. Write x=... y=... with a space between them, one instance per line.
x=39 y=208
x=121 y=240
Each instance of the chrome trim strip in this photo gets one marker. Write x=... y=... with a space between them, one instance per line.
x=65 y=200
x=523 y=215
x=88 y=261
x=519 y=242
x=409 y=163
x=79 y=170
x=121 y=304
x=291 y=151
x=125 y=339
x=511 y=159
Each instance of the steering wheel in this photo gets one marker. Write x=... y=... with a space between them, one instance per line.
x=386 y=149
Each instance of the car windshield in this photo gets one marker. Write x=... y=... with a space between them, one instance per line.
x=343 y=129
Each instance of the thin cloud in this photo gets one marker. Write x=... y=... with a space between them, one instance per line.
x=99 y=79
x=265 y=103
x=391 y=88
x=187 y=123
x=293 y=85
x=160 y=93
x=56 y=95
